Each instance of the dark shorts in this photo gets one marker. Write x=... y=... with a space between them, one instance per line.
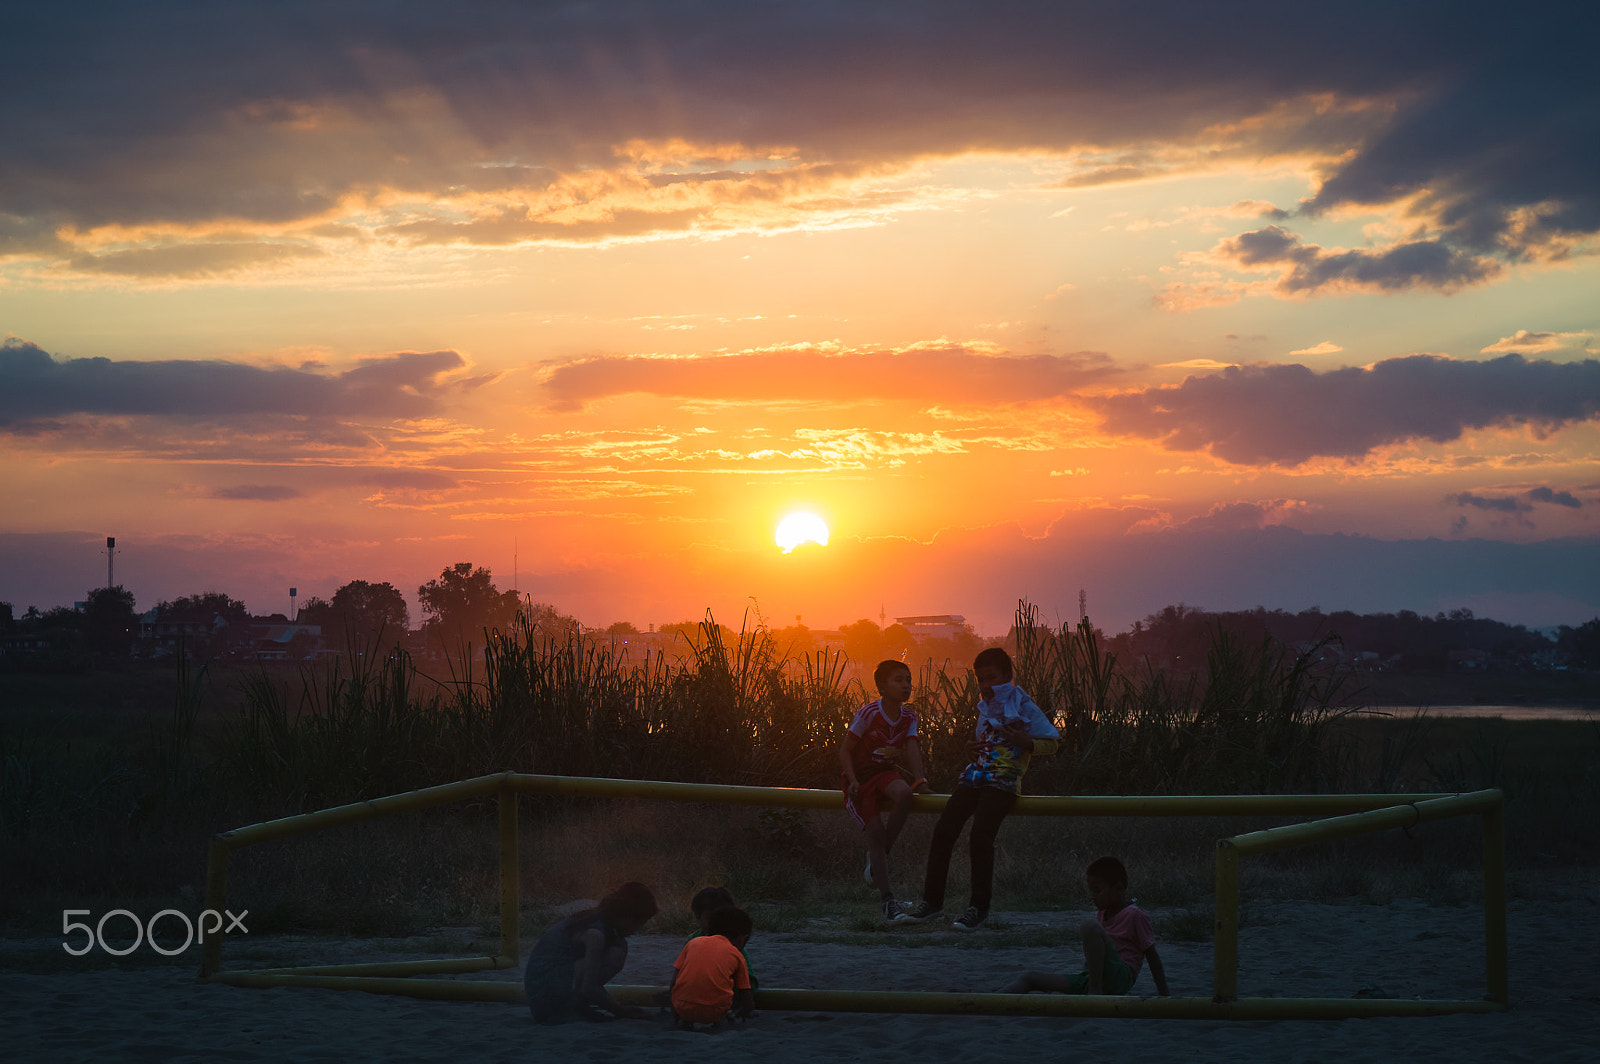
x=1118 y=977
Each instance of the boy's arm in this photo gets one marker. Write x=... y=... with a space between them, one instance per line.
x=1157 y=972
x=847 y=764
x=914 y=762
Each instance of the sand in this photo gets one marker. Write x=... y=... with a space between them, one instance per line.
x=1406 y=948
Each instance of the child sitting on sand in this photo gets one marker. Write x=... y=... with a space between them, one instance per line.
x=710 y=977
x=573 y=961
x=882 y=737
x=1115 y=943
x=1010 y=729
x=707 y=901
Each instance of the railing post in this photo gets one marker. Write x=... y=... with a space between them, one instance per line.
x=510 y=888
x=1494 y=902
x=216 y=901
x=1225 y=942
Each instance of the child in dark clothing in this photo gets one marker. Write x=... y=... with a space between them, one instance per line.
x=573 y=961
x=1010 y=729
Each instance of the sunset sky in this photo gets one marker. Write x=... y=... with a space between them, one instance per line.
x=1233 y=304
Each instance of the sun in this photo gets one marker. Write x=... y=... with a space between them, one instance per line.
x=801 y=528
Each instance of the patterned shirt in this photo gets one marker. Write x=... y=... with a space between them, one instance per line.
x=881 y=742
x=999 y=764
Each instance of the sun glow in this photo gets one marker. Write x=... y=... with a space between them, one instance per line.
x=801 y=528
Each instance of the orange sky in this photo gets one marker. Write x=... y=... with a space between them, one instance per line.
x=616 y=298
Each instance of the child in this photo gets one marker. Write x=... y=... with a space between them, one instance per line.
x=1010 y=729
x=710 y=976
x=573 y=961
x=1115 y=943
x=707 y=901
x=882 y=734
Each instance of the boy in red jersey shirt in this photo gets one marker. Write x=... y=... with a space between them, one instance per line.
x=881 y=739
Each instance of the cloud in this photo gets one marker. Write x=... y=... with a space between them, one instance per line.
x=257 y=493
x=1326 y=347
x=193 y=260
x=1308 y=269
x=479 y=122
x=1535 y=343
x=34 y=386
x=1556 y=498
x=1501 y=504
x=951 y=375
x=1288 y=414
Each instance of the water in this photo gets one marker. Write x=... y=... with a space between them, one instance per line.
x=1504 y=712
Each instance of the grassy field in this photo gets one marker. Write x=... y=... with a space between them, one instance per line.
x=112 y=785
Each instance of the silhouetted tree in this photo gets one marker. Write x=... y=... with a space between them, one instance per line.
x=364 y=610
x=109 y=622
x=462 y=603
x=206 y=607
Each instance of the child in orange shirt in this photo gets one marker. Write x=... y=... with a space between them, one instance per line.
x=710 y=977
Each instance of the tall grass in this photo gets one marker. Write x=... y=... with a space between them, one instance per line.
x=737 y=709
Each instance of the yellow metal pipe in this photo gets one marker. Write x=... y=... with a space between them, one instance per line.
x=442 y=966
x=432 y=989
x=1032 y=805
x=911 y=1002
x=1225 y=940
x=1494 y=901
x=1395 y=816
x=510 y=890
x=216 y=901
x=356 y=811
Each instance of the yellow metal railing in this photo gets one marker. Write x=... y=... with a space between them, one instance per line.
x=1350 y=813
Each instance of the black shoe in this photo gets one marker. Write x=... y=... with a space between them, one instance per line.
x=921 y=911
x=969 y=920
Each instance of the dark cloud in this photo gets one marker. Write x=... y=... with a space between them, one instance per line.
x=172 y=112
x=1502 y=504
x=1557 y=498
x=944 y=375
x=192 y=260
x=257 y=493
x=1287 y=414
x=34 y=386
x=1308 y=268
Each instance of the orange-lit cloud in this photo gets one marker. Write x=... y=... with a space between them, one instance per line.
x=954 y=374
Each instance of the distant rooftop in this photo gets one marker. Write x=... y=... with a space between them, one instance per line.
x=933 y=618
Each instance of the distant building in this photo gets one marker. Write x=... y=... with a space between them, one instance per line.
x=934 y=625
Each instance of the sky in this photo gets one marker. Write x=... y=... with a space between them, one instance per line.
x=1232 y=304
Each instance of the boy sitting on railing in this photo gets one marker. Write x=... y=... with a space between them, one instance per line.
x=882 y=737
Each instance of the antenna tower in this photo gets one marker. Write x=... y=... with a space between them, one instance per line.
x=1083 y=605
x=111 y=556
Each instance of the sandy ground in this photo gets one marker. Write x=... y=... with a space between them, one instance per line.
x=1286 y=949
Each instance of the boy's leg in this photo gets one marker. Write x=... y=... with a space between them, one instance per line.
x=615 y=958
x=1095 y=944
x=1047 y=981
x=899 y=795
x=945 y=833
x=878 y=856
x=992 y=805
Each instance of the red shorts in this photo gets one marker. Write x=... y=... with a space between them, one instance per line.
x=865 y=805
